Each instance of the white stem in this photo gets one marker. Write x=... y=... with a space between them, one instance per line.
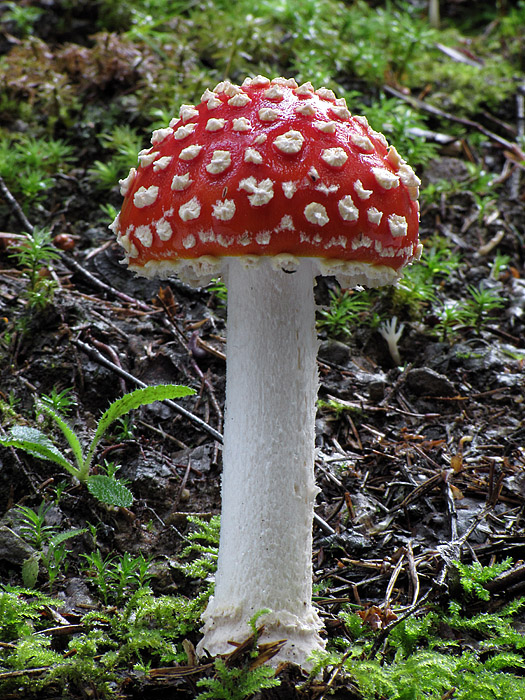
x=268 y=488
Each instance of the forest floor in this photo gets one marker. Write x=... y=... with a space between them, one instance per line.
x=421 y=462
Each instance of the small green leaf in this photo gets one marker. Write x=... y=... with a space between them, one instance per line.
x=135 y=399
x=109 y=491
x=66 y=535
x=66 y=429
x=37 y=444
x=30 y=570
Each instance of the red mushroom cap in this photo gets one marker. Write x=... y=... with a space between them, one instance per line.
x=270 y=168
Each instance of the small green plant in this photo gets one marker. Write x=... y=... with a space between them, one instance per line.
x=473 y=576
x=418 y=287
x=24 y=18
x=203 y=549
x=427 y=655
x=123 y=143
x=115 y=578
x=124 y=428
x=33 y=526
x=106 y=488
x=345 y=310
x=34 y=254
x=59 y=402
x=499 y=265
x=450 y=316
x=48 y=541
x=233 y=683
x=398 y=121
x=239 y=683
x=36 y=443
x=28 y=164
x=219 y=291
x=482 y=301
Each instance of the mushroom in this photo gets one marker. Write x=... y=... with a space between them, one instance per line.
x=269 y=184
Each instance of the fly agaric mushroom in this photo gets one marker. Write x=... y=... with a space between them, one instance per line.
x=269 y=184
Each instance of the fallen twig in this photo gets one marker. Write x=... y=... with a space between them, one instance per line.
x=420 y=104
x=72 y=264
x=98 y=357
x=15 y=207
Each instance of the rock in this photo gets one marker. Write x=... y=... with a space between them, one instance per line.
x=334 y=351
x=423 y=380
x=13 y=548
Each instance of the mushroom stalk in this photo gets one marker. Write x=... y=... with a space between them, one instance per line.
x=268 y=488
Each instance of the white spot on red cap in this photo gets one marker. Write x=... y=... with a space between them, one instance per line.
x=286 y=224
x=385 y=178
x=325 y=94
x=159 y=135
x=189 y=241
x=220 y=161
x=411 y=181
x=325 y=127
x=347 y=209
x=224 y=209
x=241 y=124
x=190 y=152
x=289 y=189
x=228 y=88
x=115 y=225
x=326 y=189
x=362 y=141
x=144 y=197
x=161 y=163
x=187 y=112
x=146 y=157
x=252 y=155
x=181 y=182
x=164 y=230
x=224 y=240
x=336 y=157
x=215 y=124
x=190 y=210
x=315 y=213
x=398 y=225
x=184 y=131
x=374 y=215
x=259 y=192
x=144 y=235
x=337 y=241
x=275 y=92
x=287 y=82
x=260 y=138
x=340 y=112
x=290 y=142
x=362 y=193
x=239 y=100
x=213 y=103
x=127 y=182
x=207 y=236
x=263 y=237
x=307 y=109
x=258 y=81
x=394 y=157
x=245 y=238
x=306 y=89
x=313 y=174
x=208 y=95
x=267 y=114
x=361 y=241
